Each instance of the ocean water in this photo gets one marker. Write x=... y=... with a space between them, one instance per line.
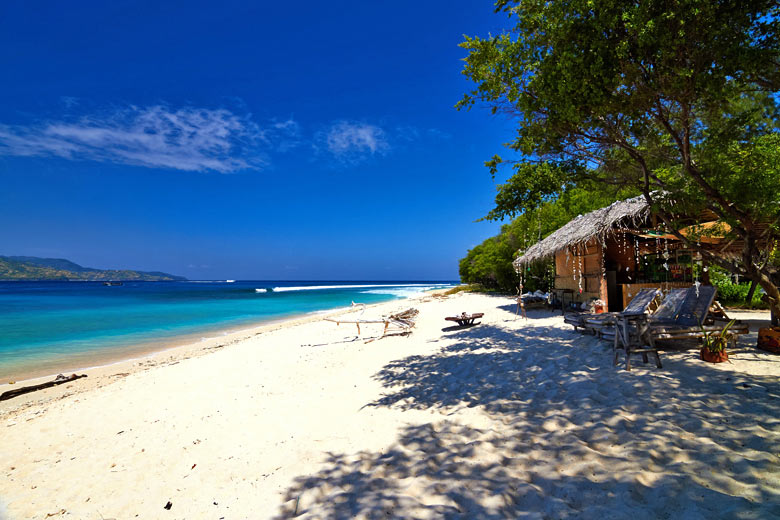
x=54 y=324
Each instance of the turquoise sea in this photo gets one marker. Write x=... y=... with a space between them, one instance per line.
x=45 y=326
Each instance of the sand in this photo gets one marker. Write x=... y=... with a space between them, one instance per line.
x=511 y=418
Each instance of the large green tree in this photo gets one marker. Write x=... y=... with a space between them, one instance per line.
x=676 y=99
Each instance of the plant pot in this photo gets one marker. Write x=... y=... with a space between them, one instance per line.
x=714 y=357
x=769 y=339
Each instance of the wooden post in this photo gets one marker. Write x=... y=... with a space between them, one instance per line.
x=705 y=275
x=603 y=291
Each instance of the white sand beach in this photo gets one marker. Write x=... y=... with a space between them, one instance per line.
x=511 y=418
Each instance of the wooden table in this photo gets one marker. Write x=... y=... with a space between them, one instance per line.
x=464 y=319
x=632 y=337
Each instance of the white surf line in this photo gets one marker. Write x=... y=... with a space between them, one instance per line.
x=319 y=287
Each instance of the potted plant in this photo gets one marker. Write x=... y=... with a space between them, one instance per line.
x=714 y=344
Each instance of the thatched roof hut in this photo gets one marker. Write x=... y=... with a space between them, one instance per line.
x=596 y=224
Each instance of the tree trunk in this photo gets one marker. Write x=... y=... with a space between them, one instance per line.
x=772 y=292
x=749 y=298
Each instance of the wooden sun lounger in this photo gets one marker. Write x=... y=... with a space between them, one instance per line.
x=596 y=323
x=666 y=311
x=576 y=319
x=638 y=305
x=464 y=320
x=638 y=335
x=662 y=333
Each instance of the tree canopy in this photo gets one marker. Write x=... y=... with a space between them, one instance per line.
x=490 y=263
x=676 y=99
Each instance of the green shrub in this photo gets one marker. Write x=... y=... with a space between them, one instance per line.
x=735 y=294
x=473 y=287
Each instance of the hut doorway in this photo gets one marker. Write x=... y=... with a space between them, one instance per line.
x=614 y=293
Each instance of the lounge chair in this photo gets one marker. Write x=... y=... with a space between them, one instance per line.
x=638 y=305
x=691 y=320
x=630 y=328
x=596 y=322
x=666 y=311
x=676 y=318
x=576 y=319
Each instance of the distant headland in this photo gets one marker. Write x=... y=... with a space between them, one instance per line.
x=31 y=268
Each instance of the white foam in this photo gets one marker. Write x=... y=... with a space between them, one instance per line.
x=261 y=290
x=404 y=292
x=321 y=287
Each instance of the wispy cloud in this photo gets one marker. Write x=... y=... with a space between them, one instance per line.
x=283 y=135
x=190 y=139
x=353 y=141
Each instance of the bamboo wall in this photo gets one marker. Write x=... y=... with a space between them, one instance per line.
x=585 y=262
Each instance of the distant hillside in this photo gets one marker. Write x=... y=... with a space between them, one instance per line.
x=33 y=268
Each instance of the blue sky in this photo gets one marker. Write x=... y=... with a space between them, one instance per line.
x=246 y=140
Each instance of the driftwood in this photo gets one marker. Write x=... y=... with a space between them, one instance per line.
x=403 y=320
x=60 y=379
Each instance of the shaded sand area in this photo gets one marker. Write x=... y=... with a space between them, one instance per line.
x=511 y=418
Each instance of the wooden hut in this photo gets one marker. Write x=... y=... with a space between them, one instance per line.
x=611 y=253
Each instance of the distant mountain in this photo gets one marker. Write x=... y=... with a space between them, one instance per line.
x=34 y=268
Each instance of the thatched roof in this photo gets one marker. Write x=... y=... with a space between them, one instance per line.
x=596 y=224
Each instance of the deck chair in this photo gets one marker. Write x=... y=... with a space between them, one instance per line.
x=691 y=319
x=593 y=323
x=576 y=320
x=666 y=311
x=639 y=304
x=628 y=332
x=637 y=336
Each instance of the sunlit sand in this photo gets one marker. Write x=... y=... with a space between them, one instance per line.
x=510 y=418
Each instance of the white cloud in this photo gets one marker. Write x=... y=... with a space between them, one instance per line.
x=285 y=135
x=352 y=141
x=191 y=139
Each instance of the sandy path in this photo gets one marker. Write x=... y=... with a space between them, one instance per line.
x=509 y=419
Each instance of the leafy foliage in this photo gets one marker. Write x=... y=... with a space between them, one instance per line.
x=717 y=341
x=490 y=263
x=732 y=293
x=675 y=99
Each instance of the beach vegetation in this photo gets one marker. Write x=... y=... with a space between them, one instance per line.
x=735 y=293
x=490 y=263
x=470 y=287
x=675 y=100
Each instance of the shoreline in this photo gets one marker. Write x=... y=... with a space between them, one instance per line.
x=179 y=347
x=140 y=350
x=42 y=365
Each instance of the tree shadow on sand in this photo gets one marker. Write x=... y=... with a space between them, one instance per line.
x=569 y=436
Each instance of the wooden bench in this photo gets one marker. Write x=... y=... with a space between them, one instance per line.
x=464 y=319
